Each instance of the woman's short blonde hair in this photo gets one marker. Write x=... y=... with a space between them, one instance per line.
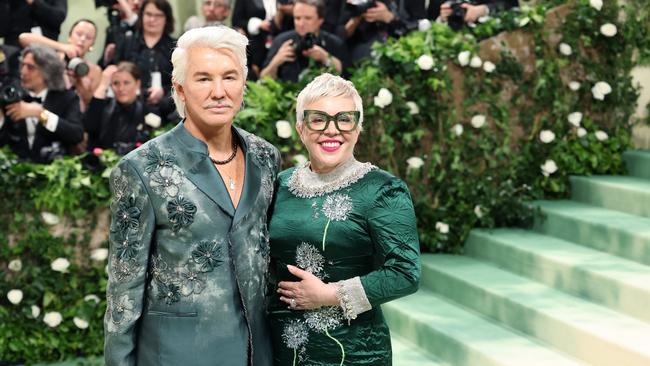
x=328 y=85
x=212 y=37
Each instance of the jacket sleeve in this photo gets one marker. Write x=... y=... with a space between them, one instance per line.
x=92 y=119
x=51 y=14
x=393 y=230
x=70 y=128
x=131 y=233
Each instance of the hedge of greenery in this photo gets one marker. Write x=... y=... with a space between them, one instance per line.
x=476 y=134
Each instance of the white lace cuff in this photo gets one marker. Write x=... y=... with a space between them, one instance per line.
x=352 y=298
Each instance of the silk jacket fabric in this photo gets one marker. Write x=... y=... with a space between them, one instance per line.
x=367 y=229
x=188 y=272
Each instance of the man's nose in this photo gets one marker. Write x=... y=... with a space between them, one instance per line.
x=218 y=90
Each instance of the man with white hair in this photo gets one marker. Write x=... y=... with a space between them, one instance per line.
x=188 y=241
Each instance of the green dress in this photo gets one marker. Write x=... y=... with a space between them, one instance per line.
x=355 y=227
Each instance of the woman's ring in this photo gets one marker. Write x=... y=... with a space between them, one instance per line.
x=292 y=303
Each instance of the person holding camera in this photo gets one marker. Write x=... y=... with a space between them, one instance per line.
x=44 y=119
x=82 y=75
x=122 y=20
x=293 y=51
x=260 y=21
x=42 y=17
x=364 y=22
x=214 y=12
x=456 y=13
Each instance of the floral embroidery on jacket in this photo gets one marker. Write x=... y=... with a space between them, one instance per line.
x=207 y=255
x=192 y=279
x=127 y=245
x=169 y=292
x=157 y=160
x=166 y=181
x=119 y=312
x=127 y=215
x=180 y=212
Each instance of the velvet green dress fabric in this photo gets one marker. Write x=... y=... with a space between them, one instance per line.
x=371 y=233
x=187 y=272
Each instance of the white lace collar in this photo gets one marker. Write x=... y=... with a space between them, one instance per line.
x=304 y=183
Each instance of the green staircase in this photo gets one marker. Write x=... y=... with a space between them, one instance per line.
x=574 y=290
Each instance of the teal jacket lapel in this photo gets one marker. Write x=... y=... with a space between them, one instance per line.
x=252 y=179
x=199 y=169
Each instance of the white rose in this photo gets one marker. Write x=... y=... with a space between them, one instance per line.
x=80 y=323
x=608 y=30
x=383 y=98
x=524 y=21
x=488 y=66
x=299 y=159
x=458 y=129
x=546 y=136
x=463 y=58
x=575 y=118
x=483 y=19
x=60 y=265
x=582 y=132
x=15 y=296
x=600 y=90
x=478 y=121
x=475 y=62
x=92 y=297
x=549 y=167
x=152 y=120
x=52 y=319
x=574 y=85
x=425 y=62
x=99 y=254
x=424 y=25
x=50 y=218
x=565 y=49
x=478 y=211
x=253 y=26
x=36 y=311
x=414 y=162
x=283 y=129
x=15 y=265
x=413 y=108
x=601 y=135
x=596 y=4
x=442 y=227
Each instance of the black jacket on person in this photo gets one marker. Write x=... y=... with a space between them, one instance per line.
x=47 y=14
x=47 y=145
x=433 y=12
x=407 y=13
x=290 y=71
x=243 y=11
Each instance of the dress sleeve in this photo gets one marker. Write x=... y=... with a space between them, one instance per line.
x=131 y=233
x=393 y=231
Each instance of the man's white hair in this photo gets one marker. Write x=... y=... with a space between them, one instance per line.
x=327 y=85
x=212 y=37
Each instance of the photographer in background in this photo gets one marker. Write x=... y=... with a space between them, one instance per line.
x=122 y=20
x=44 y=119
x=82 y=75
x=456 y=13
x=43 y=17
x=364 y=22
x=292 y=51
x=214 y=12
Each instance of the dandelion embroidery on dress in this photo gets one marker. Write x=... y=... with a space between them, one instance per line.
x=180 y=212
x=325 y=319
x=309 y=259
x=207 y=255
x=336 y=207
x=295 y=336
x=166 y=181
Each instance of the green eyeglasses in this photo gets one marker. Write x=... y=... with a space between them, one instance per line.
x=320 y=121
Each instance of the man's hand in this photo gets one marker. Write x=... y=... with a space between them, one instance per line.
x=473 y=12
x=285 y=53
x=21 y=110
x=155 y=94
x=265 y=26
x=378 y=13
x=109 y=52
x=317 y=53
x=445 y=12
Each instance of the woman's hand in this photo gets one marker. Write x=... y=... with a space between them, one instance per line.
x=155 y=94
x=308 y=293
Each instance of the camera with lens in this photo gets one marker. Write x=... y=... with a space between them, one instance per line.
x=358 y=7
x=305 y=42
x=11 y=93
x=77 y=65
x=456 y=19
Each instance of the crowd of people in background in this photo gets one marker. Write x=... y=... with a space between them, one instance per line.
x=56 y=102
